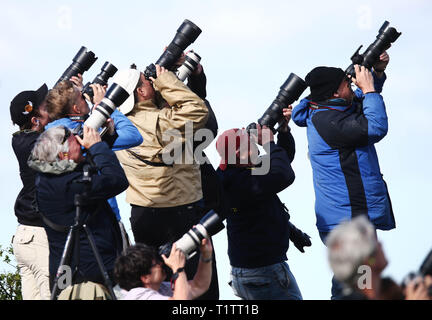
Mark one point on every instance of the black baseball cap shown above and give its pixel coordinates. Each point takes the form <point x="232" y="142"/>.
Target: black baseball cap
<point x="24" y="105"/>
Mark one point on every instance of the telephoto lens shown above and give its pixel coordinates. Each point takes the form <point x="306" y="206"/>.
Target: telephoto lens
<point x="189" y="65"/>
<point x="289" y="92"/>
<point x="208" y="226"/>
<point x="386" y="36"/>
<point x="124" y="83"/>
<point x="108" y="70"/>
<point x="82" y="61"/>
<point x="186" y="34"/>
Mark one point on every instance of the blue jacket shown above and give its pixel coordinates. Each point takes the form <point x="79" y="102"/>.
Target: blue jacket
<point x="128" y="134"/>
<point x="55" y="196"/>
<point x="257" y="222"/>
<point x="346" y="173"/>
<point x="128" y="137"/>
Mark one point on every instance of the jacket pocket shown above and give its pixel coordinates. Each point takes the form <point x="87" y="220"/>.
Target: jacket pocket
<point x="23" y="237"/>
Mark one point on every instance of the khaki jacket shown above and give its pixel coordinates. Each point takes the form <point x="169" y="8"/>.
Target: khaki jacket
<point x="164" y="186"/>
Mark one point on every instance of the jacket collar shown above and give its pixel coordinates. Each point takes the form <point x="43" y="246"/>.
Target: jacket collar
<point x="57" y="167"/>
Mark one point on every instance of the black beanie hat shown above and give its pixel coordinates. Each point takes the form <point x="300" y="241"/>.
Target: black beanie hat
<point x="323" y="82"/>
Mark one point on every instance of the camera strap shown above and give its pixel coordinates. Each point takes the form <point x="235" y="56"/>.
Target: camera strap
<point x="150" y="163"/>
<point x="316" y="106"/>
<point x="52" y="225"/>
<point x="78" y="117"/>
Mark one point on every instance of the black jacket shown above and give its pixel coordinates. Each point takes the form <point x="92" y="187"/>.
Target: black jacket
<point x="258" y="224"/>
<point x="22" y="144"/>
<point x="55" y="197"/>
<point x="209" y="180"/>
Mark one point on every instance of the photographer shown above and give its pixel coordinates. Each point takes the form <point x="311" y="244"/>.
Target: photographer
<point x="358" y="260"/>
<point x="59" y="158"/>
<point x="342" y="129"/>
<point x="258" y="223"/>
<point x="30" y="243"/>
<point x="68" y="107"/>
<point x="141" y="272"/>
<point x="166" y="198"/>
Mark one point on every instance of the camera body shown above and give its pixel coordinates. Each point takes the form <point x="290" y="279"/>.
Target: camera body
<point x="82" y="61"/>
<point x="424" y="270"/>
<point x="386" y="36"/>
<point x="289" y="92"/>
<point x="187" y="33"/>
<point x="208" y="226"/>
<point x="107" y="71"/>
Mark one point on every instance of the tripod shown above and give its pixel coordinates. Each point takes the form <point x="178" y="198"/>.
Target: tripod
<point x="73" y="239"/>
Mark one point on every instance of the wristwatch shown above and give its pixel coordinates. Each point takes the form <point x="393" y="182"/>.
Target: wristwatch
<point x="176" y="274"/>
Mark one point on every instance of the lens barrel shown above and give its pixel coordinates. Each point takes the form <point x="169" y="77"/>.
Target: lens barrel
<point x="187" y="33"/>
<point x="107" y="71"/>
<point x="208" y="226"/>
<point x="386" y="36"/>
<point x="289" y="92"/>
<point x="189" y="65"/>
<point x="113" y="98"/>
<point x="82" y="61"/>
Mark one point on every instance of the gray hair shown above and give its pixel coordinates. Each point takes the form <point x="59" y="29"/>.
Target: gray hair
<point x="49" y="145"/>
<point x="349" y="245"/>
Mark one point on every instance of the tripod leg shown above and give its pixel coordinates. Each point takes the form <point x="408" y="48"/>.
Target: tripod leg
<point x="102" y="269"/>
<point x="65" y="260"/>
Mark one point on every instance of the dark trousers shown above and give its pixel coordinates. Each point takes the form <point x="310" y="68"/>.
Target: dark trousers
<point x="157" y="226"/>
<point x="337" y="287"/>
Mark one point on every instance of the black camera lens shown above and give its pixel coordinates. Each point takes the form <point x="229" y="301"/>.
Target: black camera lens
<point x="386" y="36"/>
<point x="82" y="61"/>
<point x="187" y="33"/>
<point x="107" y="71"/>
<point x="289" y="92"/>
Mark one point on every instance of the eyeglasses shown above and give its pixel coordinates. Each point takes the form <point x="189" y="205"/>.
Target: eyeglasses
<point x="67" y="134"/>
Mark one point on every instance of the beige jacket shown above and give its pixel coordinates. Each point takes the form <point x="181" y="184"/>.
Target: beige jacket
<point x="164" y="186"/>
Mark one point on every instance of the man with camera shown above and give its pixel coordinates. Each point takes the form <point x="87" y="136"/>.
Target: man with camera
<point x="141" y="272"/>
<point x="30" y="243"/>
<point x="166" y="196"/>
<point x="68" y="107"/>
<point x="258" y="223"/>
<point x="61" y="164"/>
<point x="342" y="128"/>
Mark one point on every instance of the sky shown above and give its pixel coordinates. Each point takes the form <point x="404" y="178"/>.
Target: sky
<point x="248" y="49"/>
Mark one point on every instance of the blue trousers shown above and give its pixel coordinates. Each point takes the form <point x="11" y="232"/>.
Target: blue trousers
<point x="273" y="282"/>
<point x="337" y="287"/>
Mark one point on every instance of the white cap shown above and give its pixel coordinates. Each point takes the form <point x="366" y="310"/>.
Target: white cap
<point x="128" y="79"/>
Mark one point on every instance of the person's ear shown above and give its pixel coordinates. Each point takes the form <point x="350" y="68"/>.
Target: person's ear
<point x="34" y="121"/>
<point x="76" y="109"/>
